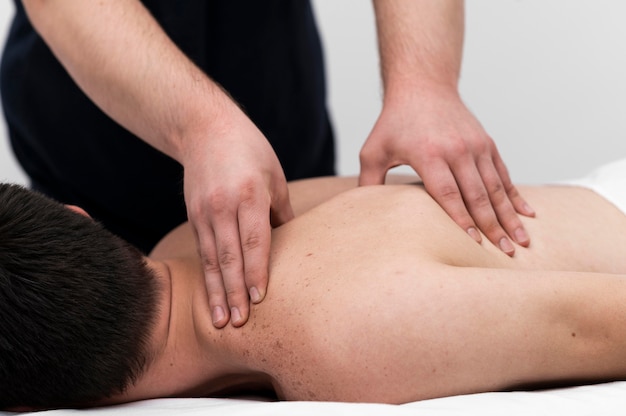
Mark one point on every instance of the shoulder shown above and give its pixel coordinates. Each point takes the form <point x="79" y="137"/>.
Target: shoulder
<point x="180" y="242"/>
<point x="305" y="195"/>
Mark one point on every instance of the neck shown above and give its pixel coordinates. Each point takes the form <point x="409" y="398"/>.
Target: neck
<point x="217" y="355"/>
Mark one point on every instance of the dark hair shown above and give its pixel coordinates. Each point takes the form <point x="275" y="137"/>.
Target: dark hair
<point x="77" y="305"/>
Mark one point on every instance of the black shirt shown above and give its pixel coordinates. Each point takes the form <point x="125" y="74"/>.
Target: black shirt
<point x="266" y="54"/>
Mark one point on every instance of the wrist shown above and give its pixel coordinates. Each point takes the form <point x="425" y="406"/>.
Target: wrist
<point x="211" y="115"/>
<point x="404" y="89"/>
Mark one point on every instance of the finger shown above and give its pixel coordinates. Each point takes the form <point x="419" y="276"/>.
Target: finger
<point x="230" y="260"/>
<point x="480" y="206"/>
<point x="255" y="234"/>
<point x="373" y="168"/>
<point x="442" y="186"/>
<point x="506" y="213"/>
<point x="520" y="204"/>
<point x="218" y="304"/>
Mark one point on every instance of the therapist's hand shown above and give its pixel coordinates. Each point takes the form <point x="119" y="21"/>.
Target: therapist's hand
<point x="458" y="162"/>
<point x="233" y="179"/>
<point x="232" y="185"/>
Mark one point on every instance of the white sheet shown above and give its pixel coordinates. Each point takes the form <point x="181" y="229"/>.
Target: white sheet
<point x="608" y="180"/>
<point x="607" y="399"/>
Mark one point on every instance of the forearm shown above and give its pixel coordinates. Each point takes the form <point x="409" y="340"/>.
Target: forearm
<point x="121" y="58"/>
<point x="420" y="42"/>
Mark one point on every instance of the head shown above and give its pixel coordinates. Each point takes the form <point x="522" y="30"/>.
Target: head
<point x="77" y="306"/>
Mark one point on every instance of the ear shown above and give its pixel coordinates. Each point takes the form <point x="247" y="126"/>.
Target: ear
<point x="78" y="210"/>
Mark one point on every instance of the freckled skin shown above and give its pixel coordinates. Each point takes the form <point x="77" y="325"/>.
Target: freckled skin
<point x="377" y="295"/>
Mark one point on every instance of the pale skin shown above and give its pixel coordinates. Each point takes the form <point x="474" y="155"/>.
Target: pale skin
<point x="425" y="124"/>
<point x="235" y="189"/>
<point x="376" y="295"/>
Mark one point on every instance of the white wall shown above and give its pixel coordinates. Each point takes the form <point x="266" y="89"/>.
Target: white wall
<point x="544" y="78"/>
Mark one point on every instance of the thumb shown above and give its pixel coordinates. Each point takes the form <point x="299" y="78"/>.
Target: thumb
<point x="281" y="210"/>
<point x="374" y="164"/>
<point x="372" y="174"/>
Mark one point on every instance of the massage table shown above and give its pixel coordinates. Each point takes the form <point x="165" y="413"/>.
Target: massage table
<point x="588" y="400"/>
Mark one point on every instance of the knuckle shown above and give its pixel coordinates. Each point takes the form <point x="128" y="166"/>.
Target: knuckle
<point x="448" y="193"/>
<point x="479" y="200"/>
<point x="215" y="261"/>
<point x="481" y="144"/>
<point x="215" y="202"/>
<point x="251" y="242"/>
<point x="248" y="190"/>
<point x="484" y="215"/>
<point x="511" y="190"/>
<point x="233" y="293"/>
<point x="496" y="191"/>
<point x="210" y="264"/>
<point x="457" y="148"/>
<point x="431" y="153"/>
<point x="227" y="259"/>
<point x="218" y="200"/>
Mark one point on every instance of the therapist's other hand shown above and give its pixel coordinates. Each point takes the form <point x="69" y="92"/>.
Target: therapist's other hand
<point x="235" y="190"/>
<point x="458" y="162"/>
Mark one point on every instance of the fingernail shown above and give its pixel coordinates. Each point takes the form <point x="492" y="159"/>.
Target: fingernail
<point x="506" y="246"/>
<point x="520" y="236"/>
<point x="235" y="315"/>
<point x="218" y="314"/>
<point x="474" y="234"/>
<point x="529" y="210"/>
<point x="255" y="296"/>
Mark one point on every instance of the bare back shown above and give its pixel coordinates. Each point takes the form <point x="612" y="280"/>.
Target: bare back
<point x="575" y="229"/>
<point x="365" y="287"/>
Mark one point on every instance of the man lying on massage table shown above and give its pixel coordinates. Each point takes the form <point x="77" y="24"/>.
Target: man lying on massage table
<point x="375" y="295"/>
